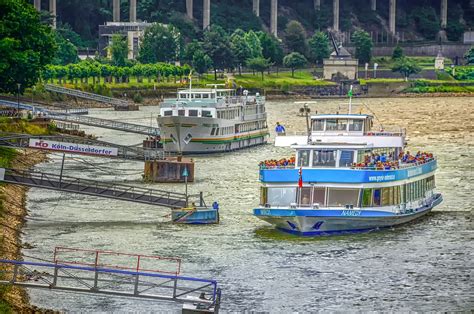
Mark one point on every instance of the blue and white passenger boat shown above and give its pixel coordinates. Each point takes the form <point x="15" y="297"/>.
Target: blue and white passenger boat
<point x="346" y="178"/>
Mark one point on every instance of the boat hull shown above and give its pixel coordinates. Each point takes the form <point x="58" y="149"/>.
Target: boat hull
<point x="305" y="222"/>
<point x="195" y="216"/>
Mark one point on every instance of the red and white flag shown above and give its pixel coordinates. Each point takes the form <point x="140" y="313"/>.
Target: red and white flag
<point x="300" y="179"/>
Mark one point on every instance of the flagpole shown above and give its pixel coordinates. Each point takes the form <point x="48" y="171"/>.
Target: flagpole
<point x="350" y="100"/>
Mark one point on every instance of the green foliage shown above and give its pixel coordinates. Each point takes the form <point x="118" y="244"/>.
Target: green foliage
<point x="363" y="45"/>
<point x="406" y="67"/>
<point x="160" y="44"/>
<point x="137" y="98"/>
<point x="66" y="53"/>
<point x="189" y="51"/>
<point x="254" y="44"/>
<point x="294" y="61"/>
<point x="322" y="18"/>
<point x="397" y="53"/>
<point x="66" y="32"/>
<point x="26" y="45"/>
<point x="259" y="64"/>
<point x="426" y="21"/>
<point x="201" y="62"/>
<point x="216" y="46"/>
<point x="319" y="47"/>
<point x="6" y="155"/>
<point x="469" y="56"/>
<point x="271" y="48"/>
<point x="464" y="73"/>
<point x="295" y="37"/>
<point x="444" y="76"/>
<point x="240" y="48"/>
<point x="231" y="15"/>
<point x="118" y="50"/>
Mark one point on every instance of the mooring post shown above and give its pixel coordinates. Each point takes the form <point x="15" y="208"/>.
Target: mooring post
<point x="61" y="173"/>
<point x="201" y="201"/>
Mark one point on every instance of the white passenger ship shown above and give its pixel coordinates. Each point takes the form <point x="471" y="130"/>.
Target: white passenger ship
<point x="346" y="178"/>
<point x="212" y="120"/>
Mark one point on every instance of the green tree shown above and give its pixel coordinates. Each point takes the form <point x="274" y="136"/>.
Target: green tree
<point x="426" y="21"/>
<point x="161" y="43"/>
<point x="26" y="45"/>
<point x="319" y="47"/>
<point x="201" y="62"/>
<point x="216" y="46"/>
<point x="254" y="44"/>
<point x="271" y="48"/>
<point x="259" y="64"/>
<point x="469" y="56"/>
<point x="363" y="45"/>
<point x="66" y="52"/>
<point x="240" y="48"/>
<point x="294" y="61"/>
<point x="295" y="37"/>
<point x="118" y="50"/>
<point x="397" y="53"/>
<point x="189" y="51"/>
<point x="406" y="67"/>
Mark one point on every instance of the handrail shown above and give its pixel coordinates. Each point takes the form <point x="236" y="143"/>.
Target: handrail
<point x="86" y="95"/>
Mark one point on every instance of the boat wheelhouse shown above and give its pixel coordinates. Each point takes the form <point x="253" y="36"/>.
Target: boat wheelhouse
<point x="353" y="181"/>
<point x="212" y="120"/>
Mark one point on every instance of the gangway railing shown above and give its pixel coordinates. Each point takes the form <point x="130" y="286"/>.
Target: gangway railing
<point x="85" y="95"/>
<point x="46" y="142"/>
<point x="38" y="108"/>
<point x="111" y="281"/>
<point x="105" y="123"/>
<point x="96" y="188"/>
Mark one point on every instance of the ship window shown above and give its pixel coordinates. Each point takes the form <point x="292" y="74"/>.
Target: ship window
<point x="281" y="196"/>
<point x="367" y="198"/>
<point x="377" y="197"/>
<point x="342" y="197"/>
<point x="386" y="196"/>
<point x="355" y="125"/>
<point x="324" y="158"/>
<point x="397" y="196"/>
<point x="318" y="125"/>
<point x="303" y="158"/>
<point x="403" y="196"/>
<point x="181" y="112"/>
<point x="347" y="157"/>
<point x="205" y="95"/>
<point x="193" y="113"/>
<point x="319" y="196"/>
<point x="305" y="198"/>
<point x="168" y="113"/>
<point x="206" y="114"/>
<point x="331" y="125"/>
<point x="197" y="96"/>
<point x="341" y="124"/>
<point x="212" y="131"/>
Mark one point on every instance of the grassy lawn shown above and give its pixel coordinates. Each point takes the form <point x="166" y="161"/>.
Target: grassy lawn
<point x="426" y="63"/>
<point x="281" y="81"/>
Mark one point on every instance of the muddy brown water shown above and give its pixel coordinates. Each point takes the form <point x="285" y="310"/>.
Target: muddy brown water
<point x="424" y="266"/>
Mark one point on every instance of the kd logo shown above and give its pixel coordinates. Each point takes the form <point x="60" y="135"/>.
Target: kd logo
<point x="41" y="144"/>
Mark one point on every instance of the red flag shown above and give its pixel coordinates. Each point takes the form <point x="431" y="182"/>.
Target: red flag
<point x="300" y="180"/>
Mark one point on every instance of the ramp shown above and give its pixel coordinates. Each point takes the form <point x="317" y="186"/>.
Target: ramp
<point x="96" y="188"/>
<point x="85" y="95"/>
<point x="38" y="108"/>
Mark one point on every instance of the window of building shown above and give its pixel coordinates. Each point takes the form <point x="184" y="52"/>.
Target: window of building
<point x="356" y="125"/>
<point x="193" y="113"/>
<point x="342" y="197"/>
<point x="318" y="125"/>
<point x="303" y="158"/>
<point x="324" y="158"/>
<point x="281" y="196"/>
<point x="367" y="198"/>
<point x="168" y="113"/>
<point x="377" y="200"/>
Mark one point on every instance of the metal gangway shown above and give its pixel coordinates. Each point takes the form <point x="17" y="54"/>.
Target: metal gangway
<point x="114" y="274"/>
<point x="16" y="140"/>
<point x="106" y="124"/>
<point x="110" y="190"/>
<point x="38" y="108"/>
<point x="85" y="95"/>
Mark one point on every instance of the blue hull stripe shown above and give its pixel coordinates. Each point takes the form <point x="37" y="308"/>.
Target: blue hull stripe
<point x="331" y="232"/>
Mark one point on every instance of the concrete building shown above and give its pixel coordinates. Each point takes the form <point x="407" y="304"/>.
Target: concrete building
<point x="274" y="18"/>
<point x="392" y="18"/>
<point x="335" y="9"/>
<point x="132" y="31"/>
<point x="206" y="14"/>
<point x="189" y="9"/>
<point x="340" y="66"/>
<point x="256" y="7"/>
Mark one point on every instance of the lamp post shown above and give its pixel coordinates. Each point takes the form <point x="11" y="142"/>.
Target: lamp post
<point x="18" y="98"/>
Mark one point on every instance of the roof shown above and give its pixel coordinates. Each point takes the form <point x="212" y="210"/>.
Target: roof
<point x="341" y="116"/>
<point x="204" y="90"/>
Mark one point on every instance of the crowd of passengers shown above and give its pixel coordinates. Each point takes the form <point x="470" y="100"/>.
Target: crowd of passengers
<point x="387" y="162"/>
<point x="273" y="163"/>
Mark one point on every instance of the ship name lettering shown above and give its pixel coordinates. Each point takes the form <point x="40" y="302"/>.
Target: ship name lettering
<point x="351" y="213"/>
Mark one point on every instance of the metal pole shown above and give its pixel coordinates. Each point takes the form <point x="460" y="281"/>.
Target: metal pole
<point x="61" y="173"/>
<point x="308" y="130"/>
<point x="18" y="99"/>
<point x="186" y="192"/>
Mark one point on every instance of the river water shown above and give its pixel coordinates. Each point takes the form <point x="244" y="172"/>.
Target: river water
<point x="423" y="266"/>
